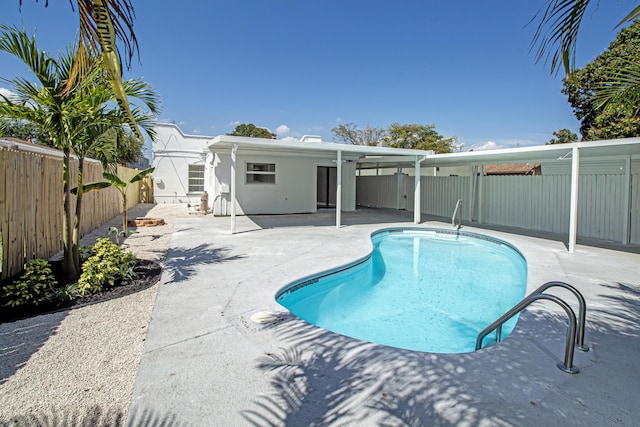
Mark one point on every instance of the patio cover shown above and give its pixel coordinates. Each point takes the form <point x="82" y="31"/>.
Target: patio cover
<point x="364" y="153"/>
<point x="628" y="148"/>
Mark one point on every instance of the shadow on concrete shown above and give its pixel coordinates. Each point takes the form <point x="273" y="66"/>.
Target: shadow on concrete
<point x="95" y="416"/>
<point x="364" y="215"/>
<point x="557" y="237"/>
<point x="327" y="217"/>
<point x="321" y="378"/>
<point x="20" y="339"/>
<point x="182" y="262"/>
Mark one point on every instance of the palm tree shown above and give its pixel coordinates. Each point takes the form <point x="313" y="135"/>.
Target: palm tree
<point x="555" y="41"/>
<point x="74" y="118"/>
<point x="102" y="22"/>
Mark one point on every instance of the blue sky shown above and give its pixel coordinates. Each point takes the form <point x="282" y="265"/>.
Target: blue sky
<point x="304" y="66"/>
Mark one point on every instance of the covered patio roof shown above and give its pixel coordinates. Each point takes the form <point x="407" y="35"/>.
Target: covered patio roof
<point x="591" y="149"/>
<point x="363" y="152"/>
<point x="628" y="149"/>
<point x="330" y="149"/>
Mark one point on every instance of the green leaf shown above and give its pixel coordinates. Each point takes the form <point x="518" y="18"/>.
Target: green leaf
<point x="95" y="186"/>
<point x="114" y="179"/>
<point x="141" y="175"/>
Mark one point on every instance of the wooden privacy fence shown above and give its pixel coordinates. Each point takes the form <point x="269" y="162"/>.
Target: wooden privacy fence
<point x="31" y="205"/>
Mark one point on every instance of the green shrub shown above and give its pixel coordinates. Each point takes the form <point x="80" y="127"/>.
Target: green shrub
<point x="33" y="287"/>
<point x="107" y="264"/>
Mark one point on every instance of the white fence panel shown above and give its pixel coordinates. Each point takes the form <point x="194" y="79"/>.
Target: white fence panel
<point x="377" y="191"/>
<point x="439" y="194"/>
<point x="601" y="206"/>
<point x="538" y="203"/>
<point x="550" y="195"/>
<point x="634" y="237"/>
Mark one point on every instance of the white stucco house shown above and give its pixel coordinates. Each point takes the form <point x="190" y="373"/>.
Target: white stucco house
<point x="596" y="182"/>
<point x="263" y="176"/>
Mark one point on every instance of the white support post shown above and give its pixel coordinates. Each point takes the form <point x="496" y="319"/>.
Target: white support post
<point x="339" y="189"/>
<point x="416" y="193"/>
<point x="626" y="220"/>
<point x="234" y="150"/>
<point x="573" y="210"/>
<point x="480" y="177"/>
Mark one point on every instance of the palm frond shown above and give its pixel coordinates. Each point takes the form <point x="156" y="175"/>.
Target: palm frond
<point x="623" y="87"/>
<point x="557" y="32"/>
<point x="632" y="16"/>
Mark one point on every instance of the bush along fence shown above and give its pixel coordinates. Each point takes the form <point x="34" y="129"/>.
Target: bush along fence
<point x="31" y="205"/>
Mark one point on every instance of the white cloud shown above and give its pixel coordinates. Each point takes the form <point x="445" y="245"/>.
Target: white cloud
<point x="289" y="138"/>
<point x="7" y="93"/>
<point x="282" y="130"/>
<point x="339" y="119"/>
<point x="196" y="131"/>
<point x="236" y="123"/>
<point x="182" y="123"/>
<point x="489" y="145"/>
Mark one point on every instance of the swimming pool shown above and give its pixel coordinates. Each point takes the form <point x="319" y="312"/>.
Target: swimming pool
<point x="421" y="289"/>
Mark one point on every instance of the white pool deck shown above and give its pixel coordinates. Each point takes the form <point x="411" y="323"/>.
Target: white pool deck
<point x="206" y="363"/>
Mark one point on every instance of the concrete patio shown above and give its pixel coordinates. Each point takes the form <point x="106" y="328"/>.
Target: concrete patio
<point x="206" y="363"/>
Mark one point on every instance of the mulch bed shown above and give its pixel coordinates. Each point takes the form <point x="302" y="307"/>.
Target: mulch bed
<point x="147" y="275"/>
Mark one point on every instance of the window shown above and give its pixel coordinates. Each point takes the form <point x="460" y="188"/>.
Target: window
<point x="196" y="178"/>
<point x="261" y="173"/>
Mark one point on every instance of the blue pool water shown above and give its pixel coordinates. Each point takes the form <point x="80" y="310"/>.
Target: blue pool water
<point x="420" y="289"/>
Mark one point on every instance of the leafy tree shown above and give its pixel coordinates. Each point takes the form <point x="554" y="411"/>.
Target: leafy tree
<point x="74" y="119"/>
<point x="584" y="85"/>
<point x="128" y="148"/>
<point x="563" y="136"/>
<point x="418" y="137"/>
<point x="23" y="130"/>
<point x="347" y="133"/>
<point x="614" y="122"/>
<point x="252" y="131"/>
<point x="350" y="134"/>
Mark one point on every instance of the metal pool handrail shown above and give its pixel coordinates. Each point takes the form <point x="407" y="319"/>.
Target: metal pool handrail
<point x="582" y="309"/>
<point x="455" y="211"/>
<point x="567" y="366"/>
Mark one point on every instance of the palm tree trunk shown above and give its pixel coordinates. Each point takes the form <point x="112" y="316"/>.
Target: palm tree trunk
<point x="124" y="214"/>
<point x="69" y="269"/>
<point x="75" y="243"/>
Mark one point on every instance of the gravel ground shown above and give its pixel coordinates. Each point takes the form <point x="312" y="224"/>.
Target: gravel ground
<point x="78" y="366"/>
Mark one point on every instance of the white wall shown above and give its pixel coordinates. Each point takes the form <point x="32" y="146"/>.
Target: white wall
<point x="172" y="152"/>
<point x="295" y="189"/>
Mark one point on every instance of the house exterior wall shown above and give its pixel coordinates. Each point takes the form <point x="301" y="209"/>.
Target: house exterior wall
<point x="173" y="152"/>
<point x="294" y="190"/>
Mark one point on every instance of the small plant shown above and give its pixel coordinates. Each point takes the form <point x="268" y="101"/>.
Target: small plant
<point x="122" y="186"/>
<point x="33" y="287"/>
<point x="107" y="264"/>
<point x="64" y="293"/>
<point x="120" y="233"/>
